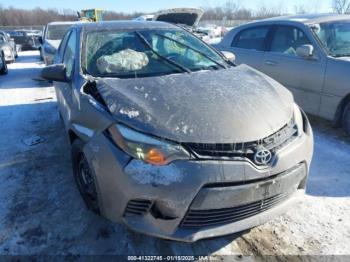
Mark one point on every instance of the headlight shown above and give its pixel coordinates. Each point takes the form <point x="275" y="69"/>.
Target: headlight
<point x="149" y="149"/>
<point x="298" y="119"/>
<point x="7" y="51"/>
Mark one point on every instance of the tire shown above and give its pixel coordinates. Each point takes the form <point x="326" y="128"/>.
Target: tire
<point x="346" y="119"/>
<point x="84" y="177"/>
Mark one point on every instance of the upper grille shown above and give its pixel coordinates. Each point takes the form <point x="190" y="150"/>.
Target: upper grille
<point x="212" y="217"/>
<point x="248" y="149"/>
<point x="137" y="207"/>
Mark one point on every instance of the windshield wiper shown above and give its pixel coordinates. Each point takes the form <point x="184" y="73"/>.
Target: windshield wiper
<point x="145" y="42"/>
<point x="193" y="49"/>
<point x="342" y="55"/>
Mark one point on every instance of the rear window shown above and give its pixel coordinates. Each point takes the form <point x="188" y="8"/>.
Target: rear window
<point x="253" y="38"/>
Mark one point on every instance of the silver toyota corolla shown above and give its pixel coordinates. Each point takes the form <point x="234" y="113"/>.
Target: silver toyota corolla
<point x="308" y="54"/>
<point x="172" y="139"/>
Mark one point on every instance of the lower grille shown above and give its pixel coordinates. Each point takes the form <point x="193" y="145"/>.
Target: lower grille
<point x="212" y="217"/>
<point x="137" y="207"/>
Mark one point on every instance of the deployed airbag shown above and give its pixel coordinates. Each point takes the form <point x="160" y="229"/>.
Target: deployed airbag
<point x="125" y="60"/>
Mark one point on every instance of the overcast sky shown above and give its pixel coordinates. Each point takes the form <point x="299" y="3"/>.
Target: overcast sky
<point x="154" y="5"/>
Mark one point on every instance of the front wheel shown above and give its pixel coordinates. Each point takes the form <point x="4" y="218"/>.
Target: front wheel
<point x="84" y="177"/>
<point x="346" y="119"/>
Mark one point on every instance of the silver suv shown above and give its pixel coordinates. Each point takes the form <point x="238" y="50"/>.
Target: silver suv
<point x="308" y="54"/>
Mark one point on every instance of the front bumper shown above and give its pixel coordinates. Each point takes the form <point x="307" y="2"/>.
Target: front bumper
<point x="159" y="201"/>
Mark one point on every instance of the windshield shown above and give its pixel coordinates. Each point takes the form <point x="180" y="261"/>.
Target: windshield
<point x="56" y="32"/>
<point x="144" y="53"/>
<point x="335" y="37"/>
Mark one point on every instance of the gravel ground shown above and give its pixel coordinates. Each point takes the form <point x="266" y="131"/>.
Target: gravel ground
<point x="41" y="210"/>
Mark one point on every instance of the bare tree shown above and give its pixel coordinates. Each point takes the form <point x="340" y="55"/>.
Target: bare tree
<point x="341" y="6"/>
<point x="300" y="9"/>
<point x="21" y="17"/>
<point x="265" y="12"/>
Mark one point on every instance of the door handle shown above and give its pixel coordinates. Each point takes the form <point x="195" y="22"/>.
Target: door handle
<point x="270" y="62"/>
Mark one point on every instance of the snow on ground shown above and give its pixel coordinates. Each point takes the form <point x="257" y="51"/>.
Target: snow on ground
<point x="41" y="210"/>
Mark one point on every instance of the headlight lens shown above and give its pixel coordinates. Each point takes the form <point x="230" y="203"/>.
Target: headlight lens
<point x="149" y="149"/>
<point x="7" y="51"/>
<point x="298" y="119"/>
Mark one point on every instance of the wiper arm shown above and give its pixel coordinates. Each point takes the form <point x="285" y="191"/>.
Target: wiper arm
<point x="194" y="49"/>
<point x="145" y="42"/>
<point x="342" y="55"/>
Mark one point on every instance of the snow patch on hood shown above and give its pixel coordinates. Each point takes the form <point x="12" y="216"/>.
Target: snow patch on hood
<point x="131" y="113"/>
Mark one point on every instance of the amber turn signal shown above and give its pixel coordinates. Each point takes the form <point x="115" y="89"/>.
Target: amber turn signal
<point x="155" y="157"/>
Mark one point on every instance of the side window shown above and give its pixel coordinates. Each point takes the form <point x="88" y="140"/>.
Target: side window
<point x="253" y="38"/>
<point x="69" y="54"/>
<point x="287" y="39"/>
<point x="63" y="44"/>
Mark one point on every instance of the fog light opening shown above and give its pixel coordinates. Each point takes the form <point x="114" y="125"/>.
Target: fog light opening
<point x="158" y="214"/>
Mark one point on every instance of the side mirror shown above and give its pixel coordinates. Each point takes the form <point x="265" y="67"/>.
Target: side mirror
<point x="55" y="72"/>
<point x="41" y="40"/>
<point x="229" y="56"/>
<point x="305" y="51"/>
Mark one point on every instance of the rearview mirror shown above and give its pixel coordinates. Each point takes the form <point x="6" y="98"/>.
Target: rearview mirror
<point x="305" y="51"/>
<point x="55" y="72"/>
<point x="229" y="56"/>
<point x="41" y="40"/>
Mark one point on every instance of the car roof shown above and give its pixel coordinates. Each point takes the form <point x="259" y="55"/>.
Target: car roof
<point x="307" y="18"/>
<point x="64" y="23"/>
<point x="128" y="24"/>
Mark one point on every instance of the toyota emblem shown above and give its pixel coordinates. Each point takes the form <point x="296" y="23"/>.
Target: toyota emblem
<point x="262" y="156"/>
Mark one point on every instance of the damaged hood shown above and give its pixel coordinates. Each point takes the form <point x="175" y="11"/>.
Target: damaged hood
<point x="234" y="105"/>
<point x="182" y="16"/>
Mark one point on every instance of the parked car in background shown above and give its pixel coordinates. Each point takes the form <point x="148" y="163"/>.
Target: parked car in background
<point x="26" y="38"/>
<point x="172" y="139"/>
<point x="3" y="65"/>
<point x="188" y="18"/>
<point x="15" y="48"/>
<point x="309" y="54"/>
<point x="51" y="39"/>
<point x="144" y="18"/>
<point x="7" y="50"/>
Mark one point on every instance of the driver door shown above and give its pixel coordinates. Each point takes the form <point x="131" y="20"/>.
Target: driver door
<point x="302" y="76"/>
<point x="64" y="90"/>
